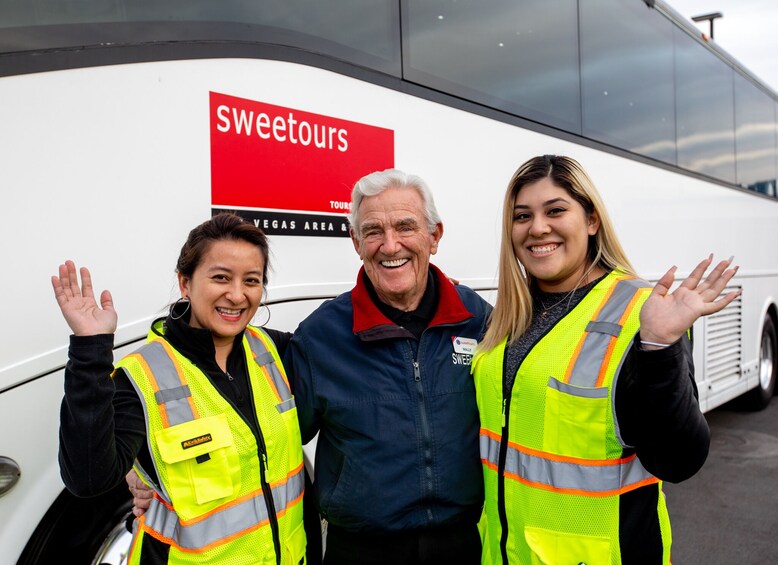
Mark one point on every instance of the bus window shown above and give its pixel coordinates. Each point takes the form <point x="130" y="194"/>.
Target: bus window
<point x="754" y="136"/>
<point x="521" y="57"/>
<point x="633" y="108"/>
<point x="705" y="110"/>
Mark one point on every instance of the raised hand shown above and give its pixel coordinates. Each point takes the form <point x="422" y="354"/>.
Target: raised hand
<point x="666" y="315"/>
<point x="78" y="305"/>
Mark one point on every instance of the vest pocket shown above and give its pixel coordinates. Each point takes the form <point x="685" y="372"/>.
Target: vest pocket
<point x="294" y="547"/>
<point x="199" y="457"/>
<point x="575" y="420"/>
<point x="550" y="547"/>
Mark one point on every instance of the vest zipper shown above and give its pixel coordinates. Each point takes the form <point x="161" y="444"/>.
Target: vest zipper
<point x="502" y="456"/>
<point x="267" y="493"/>
<point x="507" y="394"/>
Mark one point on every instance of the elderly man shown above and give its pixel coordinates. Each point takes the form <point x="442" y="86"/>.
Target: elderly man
<point x="382" y="374"/>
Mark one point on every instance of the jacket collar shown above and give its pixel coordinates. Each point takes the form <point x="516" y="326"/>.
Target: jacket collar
<point x="370" y="323"/>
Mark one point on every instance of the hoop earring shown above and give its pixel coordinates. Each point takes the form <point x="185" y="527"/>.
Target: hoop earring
<point x="268" y="315"/>
<point x="176" y="303"/>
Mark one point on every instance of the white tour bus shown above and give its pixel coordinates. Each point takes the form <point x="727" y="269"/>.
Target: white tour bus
<point x="123" y="124"/>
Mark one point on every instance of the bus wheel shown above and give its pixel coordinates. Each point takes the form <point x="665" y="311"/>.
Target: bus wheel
<point x="80" y="529"/>
<point x="759" y="397"/>
<point x="116" y="547"/>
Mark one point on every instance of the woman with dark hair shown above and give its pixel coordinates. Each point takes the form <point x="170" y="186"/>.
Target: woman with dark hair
<point x="585" y="382"/>
<point x="203" y="411"/>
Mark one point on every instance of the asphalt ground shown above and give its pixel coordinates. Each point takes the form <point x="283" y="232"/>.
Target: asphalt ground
<point x="727" y="514"/>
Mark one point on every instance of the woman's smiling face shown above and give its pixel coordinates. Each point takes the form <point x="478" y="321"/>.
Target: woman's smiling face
<point x="225" y="289"/>
<point x="550" y="235"/>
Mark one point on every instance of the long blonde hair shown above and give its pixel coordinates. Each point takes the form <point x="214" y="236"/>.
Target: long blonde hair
<point x="512" y="313"/>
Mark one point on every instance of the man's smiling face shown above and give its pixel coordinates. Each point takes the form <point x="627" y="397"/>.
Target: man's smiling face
<point x="395" y="244"/>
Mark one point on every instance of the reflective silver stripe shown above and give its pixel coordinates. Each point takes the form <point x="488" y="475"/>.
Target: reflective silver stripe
<point x="588" y="392"/>
<point x="163" y="368"/>
<point x="285" y="405"/>
<point x="265" y="359"/>
<point x="596" y="477"/>
<point x="600" y="332"/>
<point x="177" y="393"/>
<point x="222" y="523"/>
<point x="604" y="328"/>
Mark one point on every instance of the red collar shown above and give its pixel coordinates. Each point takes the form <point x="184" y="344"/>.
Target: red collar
<point x="367" y="316"/>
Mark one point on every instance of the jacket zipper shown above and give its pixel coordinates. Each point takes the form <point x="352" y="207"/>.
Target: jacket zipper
<point x="425" y="427"/>
<point x="426" y="435"/>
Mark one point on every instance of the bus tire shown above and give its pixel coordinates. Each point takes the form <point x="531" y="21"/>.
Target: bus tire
<point x="759" y="397"/>
<point x="76" y="528"/>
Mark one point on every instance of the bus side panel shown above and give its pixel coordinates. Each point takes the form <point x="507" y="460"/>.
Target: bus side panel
<point x="29" y="420"/>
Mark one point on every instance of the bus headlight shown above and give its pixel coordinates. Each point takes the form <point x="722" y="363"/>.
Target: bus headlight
<point x="9" y="474"/>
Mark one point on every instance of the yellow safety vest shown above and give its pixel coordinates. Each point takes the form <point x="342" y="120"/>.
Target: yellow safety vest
<point x="221" y="497"/>
<point x="554" y="467"/>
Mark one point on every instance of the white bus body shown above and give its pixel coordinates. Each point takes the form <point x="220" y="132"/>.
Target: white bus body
<point x="110" y="166"/>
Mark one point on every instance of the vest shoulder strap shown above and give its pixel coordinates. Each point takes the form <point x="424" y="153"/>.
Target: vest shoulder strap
<point x="587" y="368"/>
<point x="260" y="345"/>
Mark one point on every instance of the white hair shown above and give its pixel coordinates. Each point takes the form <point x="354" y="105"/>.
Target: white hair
<point x="375" y="183"/>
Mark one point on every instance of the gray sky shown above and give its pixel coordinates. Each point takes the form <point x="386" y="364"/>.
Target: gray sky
<point x="747" y="30"/>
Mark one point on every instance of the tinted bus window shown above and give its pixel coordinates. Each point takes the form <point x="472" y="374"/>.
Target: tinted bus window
<point x="366" y="32"/>
<point x="705" y="110"/>
<point x="754" y="136"/>
<point x="627" y="77"/>
<point x="521" y="57"/>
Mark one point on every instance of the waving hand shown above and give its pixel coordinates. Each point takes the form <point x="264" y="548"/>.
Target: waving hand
<point x="666" y="315"/>
<point x="78" y="304"/>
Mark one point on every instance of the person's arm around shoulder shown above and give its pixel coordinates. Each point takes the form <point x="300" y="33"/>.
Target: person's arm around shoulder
<point x="484" y="307"/>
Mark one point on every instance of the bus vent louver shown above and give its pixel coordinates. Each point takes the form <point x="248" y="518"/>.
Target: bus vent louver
<point x="724" y="330"/>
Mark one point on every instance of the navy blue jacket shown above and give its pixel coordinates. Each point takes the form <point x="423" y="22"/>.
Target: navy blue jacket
<point x="397" y="417"/>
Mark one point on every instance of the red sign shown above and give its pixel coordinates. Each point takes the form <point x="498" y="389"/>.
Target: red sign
<point x="272" y="157"/>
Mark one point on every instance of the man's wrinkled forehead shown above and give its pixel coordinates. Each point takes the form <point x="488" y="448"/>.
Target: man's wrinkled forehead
<point x="400" y="221"/>
<point x="407" y="204"/>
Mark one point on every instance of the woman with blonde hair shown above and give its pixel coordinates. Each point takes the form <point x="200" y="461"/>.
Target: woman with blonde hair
<point x="585" y="382"/>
